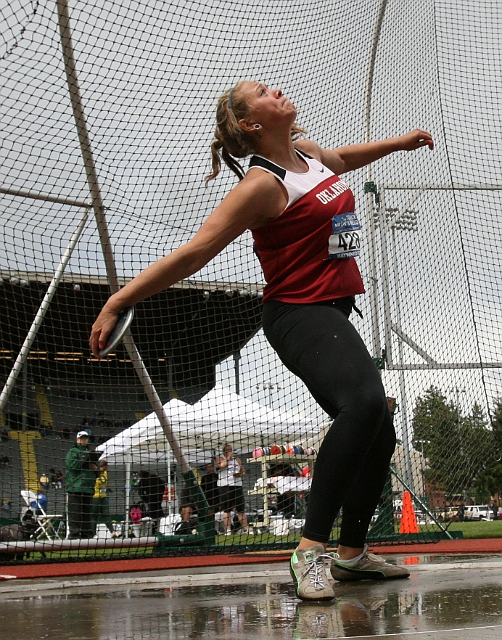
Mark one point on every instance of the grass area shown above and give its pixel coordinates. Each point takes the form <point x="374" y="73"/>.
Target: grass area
<point x="470" y="530"/>
<point x="478" y="529"/>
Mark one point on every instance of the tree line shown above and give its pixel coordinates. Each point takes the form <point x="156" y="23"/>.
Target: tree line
<point x="462" y="452"/>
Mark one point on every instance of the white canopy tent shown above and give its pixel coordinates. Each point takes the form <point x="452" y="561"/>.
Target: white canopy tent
<point x="219" y="417"/>
<point x="119" y="449"/>
<point x="203" y="428"/>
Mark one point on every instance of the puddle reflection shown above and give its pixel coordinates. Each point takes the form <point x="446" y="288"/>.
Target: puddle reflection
<point x="260" y="611"/>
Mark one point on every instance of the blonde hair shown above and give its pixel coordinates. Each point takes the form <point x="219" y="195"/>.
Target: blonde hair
<point x="231" y="141"/>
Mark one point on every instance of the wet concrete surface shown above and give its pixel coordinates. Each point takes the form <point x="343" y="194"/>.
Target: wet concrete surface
<point x="446" y="598"/>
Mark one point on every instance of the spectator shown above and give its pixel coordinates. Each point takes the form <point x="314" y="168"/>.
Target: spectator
<point x="230" y="473"/>
<point x="100" y="505"/>
<point x="59" y="479"/>
<point x="209" y="485"/>
<point x="44" y="430"/>
<point x="44" y="481"/>
<point x="495" y="510"/>
<point x="151" y="490"/>
<point x="4" y="461"/>
<point x="4" y="434"/>
<point x="56" y="478"/>
<point x="6" y="507"/>
<point x="40" y="503"/>
<point x="187" y="506"/>
<point x="80" y="480"/>
<point x="52" y="477"/>
<point x="461" y="512"/>
<point x="136" y="513"/>
<point x="285" y="501"/>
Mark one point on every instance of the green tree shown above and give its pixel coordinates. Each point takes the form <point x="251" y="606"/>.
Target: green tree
<point x="434" y="433"/>
<point x="476" y="451"/>
<point x="456" y="448"/>
<point x="490" y="481"/>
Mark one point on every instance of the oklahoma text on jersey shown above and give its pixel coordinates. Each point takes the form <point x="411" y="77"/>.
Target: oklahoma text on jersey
<point x="334" y="190"/>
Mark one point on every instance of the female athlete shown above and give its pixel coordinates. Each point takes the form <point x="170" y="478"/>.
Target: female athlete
<point x="307" y="236"/>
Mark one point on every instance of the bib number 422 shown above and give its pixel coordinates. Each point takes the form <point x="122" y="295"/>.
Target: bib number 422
<point x="345" y="241"/>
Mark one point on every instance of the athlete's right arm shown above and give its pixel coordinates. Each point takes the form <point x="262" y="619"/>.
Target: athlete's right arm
<point x="251" y="203"/>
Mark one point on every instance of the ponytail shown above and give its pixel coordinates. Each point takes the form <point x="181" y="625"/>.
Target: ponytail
<point x="231" y="141"/>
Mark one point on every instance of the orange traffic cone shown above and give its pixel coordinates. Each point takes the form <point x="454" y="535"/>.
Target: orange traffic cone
<point x="408" y="519"/>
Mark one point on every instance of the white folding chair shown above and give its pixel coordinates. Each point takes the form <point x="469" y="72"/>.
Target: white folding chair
<point x="44" y="520"/>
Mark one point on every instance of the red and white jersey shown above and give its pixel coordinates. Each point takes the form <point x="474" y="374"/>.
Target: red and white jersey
<point x="307" y="253"/>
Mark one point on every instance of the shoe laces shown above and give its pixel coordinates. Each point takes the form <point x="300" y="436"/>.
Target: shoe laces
<point x="315" y="569"/>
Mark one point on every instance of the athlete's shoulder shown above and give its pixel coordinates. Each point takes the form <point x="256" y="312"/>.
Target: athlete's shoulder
<point x="256" y="176"/>
<point x="309" y="147"/>
<point x="260" y="183"/>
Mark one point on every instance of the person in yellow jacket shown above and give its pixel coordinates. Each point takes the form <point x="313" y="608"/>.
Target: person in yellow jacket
<point x="100" y="505"/>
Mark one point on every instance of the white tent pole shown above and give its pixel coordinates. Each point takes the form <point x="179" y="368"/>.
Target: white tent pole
<point x="128" y="492"/>
<point x="169" y="502"/>
<point x="66" y="518"/>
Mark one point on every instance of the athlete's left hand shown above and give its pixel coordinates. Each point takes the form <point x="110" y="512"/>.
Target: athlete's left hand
<point x="415" y="139"/>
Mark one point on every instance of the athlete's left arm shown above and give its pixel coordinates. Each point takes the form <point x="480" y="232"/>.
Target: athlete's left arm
<point x="355" y="156"/>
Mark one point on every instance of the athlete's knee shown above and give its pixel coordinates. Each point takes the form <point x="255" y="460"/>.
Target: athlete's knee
<point x="370" y="405"/>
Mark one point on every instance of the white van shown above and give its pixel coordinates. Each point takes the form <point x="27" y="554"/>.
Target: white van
<point x="478" y="512"/>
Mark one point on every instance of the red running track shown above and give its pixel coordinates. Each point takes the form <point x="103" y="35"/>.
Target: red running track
<point x="51" y="570"/>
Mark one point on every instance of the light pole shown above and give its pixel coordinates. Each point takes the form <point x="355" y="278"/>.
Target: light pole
<point x="400" y="220"/>
<point x="457" y="406"/>
<point x="457" y="392"/>
<point x="269" y="386"/>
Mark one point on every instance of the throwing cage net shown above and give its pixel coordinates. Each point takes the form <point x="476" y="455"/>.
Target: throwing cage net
<point x="107" y="115"/>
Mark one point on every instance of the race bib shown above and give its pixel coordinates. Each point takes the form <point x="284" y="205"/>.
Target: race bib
<point x="345" y="241"/>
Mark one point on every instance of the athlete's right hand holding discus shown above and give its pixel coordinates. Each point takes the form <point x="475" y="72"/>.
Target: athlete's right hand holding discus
<point x="307" y="235"/>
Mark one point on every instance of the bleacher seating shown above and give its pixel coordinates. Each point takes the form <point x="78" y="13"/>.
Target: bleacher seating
<point x="11" y="478"/>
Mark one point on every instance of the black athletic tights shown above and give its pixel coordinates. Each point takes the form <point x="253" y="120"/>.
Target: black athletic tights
<point x="319" y="344"/>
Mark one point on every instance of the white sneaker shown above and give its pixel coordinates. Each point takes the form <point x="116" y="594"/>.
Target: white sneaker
<point x="369" y="567"/>
<point x="309" y="572"/>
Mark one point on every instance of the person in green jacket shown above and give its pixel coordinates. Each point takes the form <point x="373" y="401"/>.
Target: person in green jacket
<point x="80" y="480"/>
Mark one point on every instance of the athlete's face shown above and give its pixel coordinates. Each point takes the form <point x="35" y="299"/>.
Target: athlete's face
<point x="267" y="106"/>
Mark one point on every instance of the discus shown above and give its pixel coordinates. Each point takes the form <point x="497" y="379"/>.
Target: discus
<point x="123" y="323"/>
